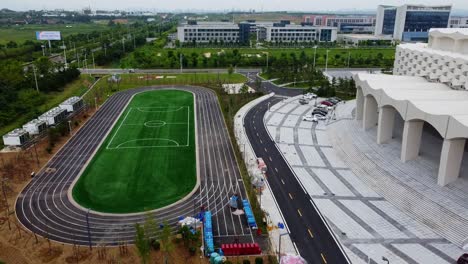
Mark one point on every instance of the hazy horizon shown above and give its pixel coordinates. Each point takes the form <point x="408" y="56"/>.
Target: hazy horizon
<point x="213" y="5"/>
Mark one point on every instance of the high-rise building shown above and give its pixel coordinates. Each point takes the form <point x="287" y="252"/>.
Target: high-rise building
<point x="411" y="22"/>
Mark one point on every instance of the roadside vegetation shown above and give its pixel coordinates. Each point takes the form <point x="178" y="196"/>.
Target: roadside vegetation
<point x="153" y="56"/>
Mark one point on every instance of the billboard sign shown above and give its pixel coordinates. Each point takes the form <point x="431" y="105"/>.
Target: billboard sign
<point x="48" y="35"/>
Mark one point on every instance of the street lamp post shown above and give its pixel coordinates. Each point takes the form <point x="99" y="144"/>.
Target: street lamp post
<point x="269" y="106"/>
<point x="315" y="54"/>
<point x="35" y="77"/>
<point x="43" y="50"/>
<point x="89" y="231"/>
<point x="326" y="62"/>
<point x="69" y="127"/>
<point x="279" y="246"/>
<point x="349" y="57"/>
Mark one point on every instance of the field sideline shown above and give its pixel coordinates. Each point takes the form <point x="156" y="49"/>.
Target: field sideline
<point x="147" y="161"/>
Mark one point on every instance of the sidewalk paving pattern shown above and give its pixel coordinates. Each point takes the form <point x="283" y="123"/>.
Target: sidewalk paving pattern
<point x="365" y="222"/>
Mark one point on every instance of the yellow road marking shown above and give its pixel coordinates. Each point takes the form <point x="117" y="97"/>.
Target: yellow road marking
<point x="323" y="257"/>
<point x="290" y="196"/>
<point x="310" y="233"/>
<point x="299" y="212"/>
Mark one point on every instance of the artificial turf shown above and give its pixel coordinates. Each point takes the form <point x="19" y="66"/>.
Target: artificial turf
<point x="147" y="161"/>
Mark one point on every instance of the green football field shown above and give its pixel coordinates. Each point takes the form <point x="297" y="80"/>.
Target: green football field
<point x="148" y="160"/>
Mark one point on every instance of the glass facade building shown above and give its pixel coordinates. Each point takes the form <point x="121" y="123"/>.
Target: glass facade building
<point x="389" y="21"/>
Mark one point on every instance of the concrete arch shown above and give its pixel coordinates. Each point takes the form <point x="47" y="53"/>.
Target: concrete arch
<point x="370" y="112"/>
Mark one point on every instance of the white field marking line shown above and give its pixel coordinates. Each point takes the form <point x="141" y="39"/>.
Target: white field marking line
<point x="141" y="109"/>
<point x="188" y="126"/>
<point x="116" y="132"/>
<point x="146" y="139"/>
<point x="170" y="140"/>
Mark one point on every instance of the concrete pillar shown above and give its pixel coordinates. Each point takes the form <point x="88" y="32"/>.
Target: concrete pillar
<point x="370" y="115"/>
<point x="359" y="103"/>
<point x="450" y="160"/>
<point x="412" y="133"/>
<point x="385" y="124"/>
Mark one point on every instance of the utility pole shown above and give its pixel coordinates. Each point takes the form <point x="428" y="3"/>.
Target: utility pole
<point x="65" y="54"/>
<point x="92" y="54"/>
<point x="315" y="54"/>
<point x="349" y="57"/>
<point x="35" y="77"/>
<point x="326" y="62"/>
<point x="181" y="66"/>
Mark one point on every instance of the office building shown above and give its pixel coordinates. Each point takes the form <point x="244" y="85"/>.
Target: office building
<point x="458" y="22"/>
<point x="344" y="24"/>
<point x="284" y="33"/>
<point x="411" y="23"/>
<point x="206" y="32"/>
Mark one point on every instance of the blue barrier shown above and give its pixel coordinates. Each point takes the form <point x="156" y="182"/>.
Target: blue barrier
<point x="249" y="214"/>
<point x="208" y="233"/>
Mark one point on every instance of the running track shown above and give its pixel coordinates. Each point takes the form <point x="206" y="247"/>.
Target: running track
<point x="44" y="207"/>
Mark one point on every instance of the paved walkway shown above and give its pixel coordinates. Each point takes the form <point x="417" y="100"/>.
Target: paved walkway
<point x="367" y="224"/>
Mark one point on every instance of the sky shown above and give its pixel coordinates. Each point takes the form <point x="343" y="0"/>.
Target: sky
<point x="219" y="5"/>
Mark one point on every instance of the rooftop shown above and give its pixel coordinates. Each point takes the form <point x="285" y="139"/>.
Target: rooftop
<point x="53" y="112"/>
<point x="71" y="100"/>
<point x="416" y="98"/>
<point x="423" y="47"/>
<point x="16" y="133"/>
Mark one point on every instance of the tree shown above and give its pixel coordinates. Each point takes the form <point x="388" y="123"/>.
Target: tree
<point x="11" y="44"/>
<point x="230" y="71"/>
<point x="142" y="244"/>
<point x="167" y="246"/>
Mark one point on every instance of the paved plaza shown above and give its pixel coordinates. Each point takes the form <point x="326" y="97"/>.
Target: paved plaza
<point x="367" y="223"/>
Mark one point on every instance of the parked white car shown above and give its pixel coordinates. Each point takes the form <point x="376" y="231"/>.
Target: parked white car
<point x="310" y="96"/>
<point x="319" y="117"/>
<point x="310" y="118"/>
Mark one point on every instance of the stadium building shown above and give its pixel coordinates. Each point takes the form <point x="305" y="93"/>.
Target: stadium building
<point x="411" y="22"/>
<point x="419" y="101"/>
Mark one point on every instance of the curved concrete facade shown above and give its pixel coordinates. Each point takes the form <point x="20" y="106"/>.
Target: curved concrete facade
<point x="379" y="97"/>
<point x="444" y="59"/>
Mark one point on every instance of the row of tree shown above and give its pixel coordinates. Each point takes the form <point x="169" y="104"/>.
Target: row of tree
<point x="151" y="57"/>
<point x="18" y="93"/>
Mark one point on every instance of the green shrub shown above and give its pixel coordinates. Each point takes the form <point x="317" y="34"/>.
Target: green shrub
<point x="155" y="244"/>
<point x="192" y="250"/>
<point x="258" y="260"/>
<point x="246" y="261"/>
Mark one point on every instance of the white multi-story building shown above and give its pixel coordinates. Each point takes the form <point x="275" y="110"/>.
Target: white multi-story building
<point x="411" y="22"/>
<point x="458" y="22"/>
<point x="205" y="32"/>
<point x="344" y="23"/>
<point x="444" y="59"/>
<point x="297" y="33"/>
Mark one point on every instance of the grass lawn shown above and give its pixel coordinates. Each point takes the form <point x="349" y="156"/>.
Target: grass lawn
<point x="21" y="33"/>
<point x="147" y="161"/>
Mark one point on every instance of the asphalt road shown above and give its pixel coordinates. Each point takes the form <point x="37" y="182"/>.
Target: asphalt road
<point x="308" y="231"/>
<point x="45" y="208"/>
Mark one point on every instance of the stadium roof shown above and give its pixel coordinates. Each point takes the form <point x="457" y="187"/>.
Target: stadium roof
<point x="417" y="99"/>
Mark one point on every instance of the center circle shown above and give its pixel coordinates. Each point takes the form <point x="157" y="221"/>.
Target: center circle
<point x="155" y="123"/>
